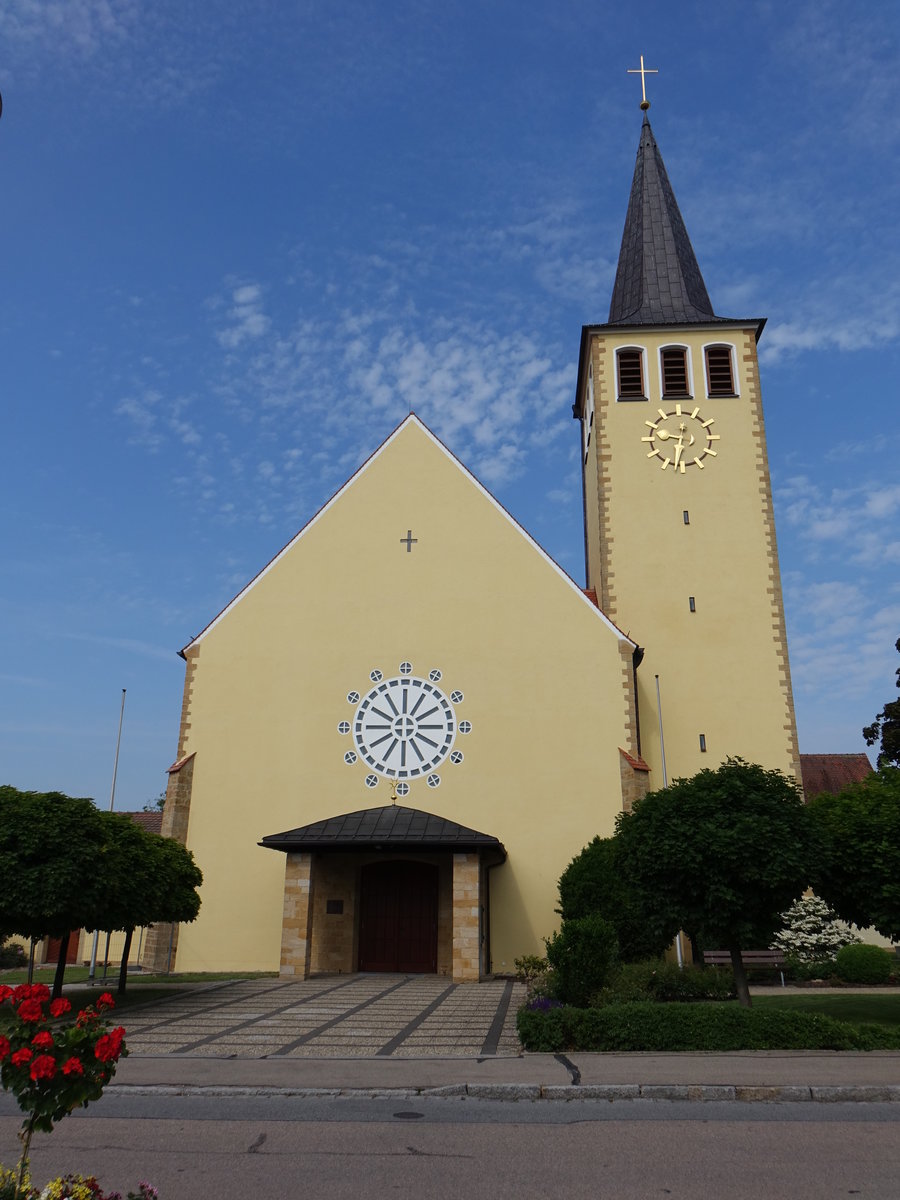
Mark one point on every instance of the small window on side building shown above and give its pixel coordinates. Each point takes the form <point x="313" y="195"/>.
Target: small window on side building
<point x="674" y="371"/>
<point x="719" y="371"/>
<point x="630" y="371"/>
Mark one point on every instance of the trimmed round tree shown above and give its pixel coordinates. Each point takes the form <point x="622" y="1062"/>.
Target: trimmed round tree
<point x="53" y="867"/>
<point x="151" y="878"/>
<point x="594" y="882"/>
<point x="723" y="853"/>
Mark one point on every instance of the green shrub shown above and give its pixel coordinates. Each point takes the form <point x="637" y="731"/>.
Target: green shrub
<point x="864" y="964"/>
<point x="584" y="956"/>
<point x="12" y="954"/>
<point x="665" y="981"/>
<point x="794" y="968"/>
<point x="646" y="1026"/>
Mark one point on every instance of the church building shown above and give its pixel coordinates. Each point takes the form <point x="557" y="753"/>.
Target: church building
<point x="398" y="734"/>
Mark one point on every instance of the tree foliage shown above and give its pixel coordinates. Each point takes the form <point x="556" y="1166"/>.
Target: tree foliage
<point x="594" y="882"/>
<point x="64" y="866"/>
<point x="52" y="863"/>
<point x="858" y="873"/>
<point x="150" y="878"/>
<point x="722" y="854"/>
<point x="886" y="727"/>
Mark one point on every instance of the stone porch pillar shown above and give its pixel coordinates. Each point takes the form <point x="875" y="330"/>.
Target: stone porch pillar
<point x="466" y="925"/>
<point x="296" y="928"/>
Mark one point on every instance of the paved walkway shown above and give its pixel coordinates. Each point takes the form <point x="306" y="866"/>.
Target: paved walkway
<point x="399" y="1016"/>
<point x="408" y="1035"/>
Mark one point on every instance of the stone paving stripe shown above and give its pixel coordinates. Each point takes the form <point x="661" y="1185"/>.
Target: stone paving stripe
<point x="496" y="1029"/>
<point x="179" y="1016"/>
<point x="400" y="1038"/>
<point x="307" y="1037"/>
<point x="213" y="1037"/>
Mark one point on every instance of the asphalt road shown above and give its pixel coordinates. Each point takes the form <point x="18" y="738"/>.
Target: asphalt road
<point x="227" y="1148"/>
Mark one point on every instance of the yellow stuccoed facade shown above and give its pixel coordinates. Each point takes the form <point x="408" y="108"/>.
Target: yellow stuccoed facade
<point x="687" y="561"/>
<point x="546" y="683"/>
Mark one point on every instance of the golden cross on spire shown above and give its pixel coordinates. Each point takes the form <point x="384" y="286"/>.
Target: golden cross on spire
<point x="643" y="71"/>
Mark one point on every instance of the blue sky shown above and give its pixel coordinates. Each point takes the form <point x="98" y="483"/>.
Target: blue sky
<point x="238" y="242"/>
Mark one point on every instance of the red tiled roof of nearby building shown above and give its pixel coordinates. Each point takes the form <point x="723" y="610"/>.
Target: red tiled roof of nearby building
<point x="831" y="773"/>
<point x="591" y="594"/>
<point x="149" y="821"/>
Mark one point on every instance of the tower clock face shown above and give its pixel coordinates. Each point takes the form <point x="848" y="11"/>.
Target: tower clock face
<point x="680" y="438"/>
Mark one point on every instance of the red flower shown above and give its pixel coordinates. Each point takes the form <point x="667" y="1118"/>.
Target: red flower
<point x="109" y="1046"/>
<point x="43" y="1067"/>
<point x="43" y="1040"/>
<point x="106" y="1001"/>
<point x="30" y="1010"/>
<point x="40" y="991"/>
<point x="59" y="1007"/>
<point x="5" y="992"/>
<point x="21" y="1057"/>
<point x="73" y="1067"/>
<point x="4" y="1046"/>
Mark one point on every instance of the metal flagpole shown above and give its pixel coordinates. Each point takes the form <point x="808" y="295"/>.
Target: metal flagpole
<point x="112" y="801"/>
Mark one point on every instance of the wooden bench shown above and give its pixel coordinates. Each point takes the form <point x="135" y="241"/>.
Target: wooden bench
<point x="750" y="958"/>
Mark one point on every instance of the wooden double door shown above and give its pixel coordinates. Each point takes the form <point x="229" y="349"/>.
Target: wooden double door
<point x="398" y="906"/>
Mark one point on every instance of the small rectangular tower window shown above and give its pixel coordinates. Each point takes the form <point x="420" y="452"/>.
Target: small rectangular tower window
<point x="630" y="370"/>
<point x="692" y="604"/>
<point x="687" y="517"/>
<point x="674" y="371"/>
<point x="719" y="373"/>
<point x="702" y="743"/>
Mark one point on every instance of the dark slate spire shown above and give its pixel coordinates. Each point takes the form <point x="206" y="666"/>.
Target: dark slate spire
<point x="658" y="281"/>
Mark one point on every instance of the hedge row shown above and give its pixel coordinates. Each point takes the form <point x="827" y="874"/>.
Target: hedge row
<point x="644" y="1025"/>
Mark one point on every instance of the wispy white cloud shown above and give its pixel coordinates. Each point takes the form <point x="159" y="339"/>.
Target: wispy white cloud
<point x="862" y="522"/>
<point x="245" y="318"/>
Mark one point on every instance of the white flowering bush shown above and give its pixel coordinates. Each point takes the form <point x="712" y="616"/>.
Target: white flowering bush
<point x="812" y="932"/>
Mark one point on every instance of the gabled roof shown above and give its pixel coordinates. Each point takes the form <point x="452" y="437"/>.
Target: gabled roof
<point x="658" y="280"/>
<point x="831" y="773"/>
<point x="150" y="821"/>
<point x="391" y="827"/>
<point x="410" y="421"/>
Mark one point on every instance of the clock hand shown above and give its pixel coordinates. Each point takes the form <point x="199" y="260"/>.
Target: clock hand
<point x="678" y="450"/>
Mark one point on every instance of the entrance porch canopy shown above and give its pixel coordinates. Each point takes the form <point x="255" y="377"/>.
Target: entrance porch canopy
<point x="387" y="828"/>
<point x="332" y="930"/>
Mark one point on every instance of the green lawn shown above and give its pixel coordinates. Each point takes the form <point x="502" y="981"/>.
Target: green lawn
<point x="882" y="1008"/>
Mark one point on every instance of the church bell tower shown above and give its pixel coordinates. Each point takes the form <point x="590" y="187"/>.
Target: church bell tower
<point x="679" y="527"/>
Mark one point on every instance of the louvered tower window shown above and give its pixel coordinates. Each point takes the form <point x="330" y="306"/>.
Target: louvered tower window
<point x="674" y="371"/>
<point x="630" y="368"/>
<point x="719" y="373"/>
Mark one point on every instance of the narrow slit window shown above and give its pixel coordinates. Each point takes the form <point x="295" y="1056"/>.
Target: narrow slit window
<point x="630" y="368"/>
<point x="719" y="371"/>
<point x="687" y="517"/>
<point x="702" y="743"/>
<point x="674" y="371"/>
<point x="692" y="604"/>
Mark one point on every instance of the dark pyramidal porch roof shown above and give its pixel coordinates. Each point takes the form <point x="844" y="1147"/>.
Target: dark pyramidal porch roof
<point x="391" y="827"/>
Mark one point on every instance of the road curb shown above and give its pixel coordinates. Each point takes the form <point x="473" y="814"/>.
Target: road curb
<point x="703" y="1093"/>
